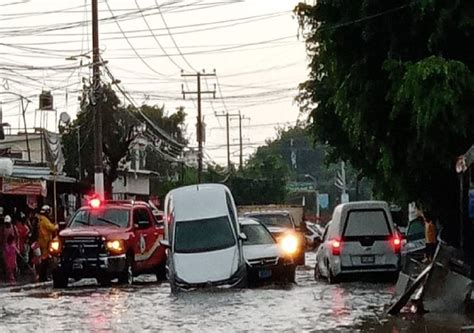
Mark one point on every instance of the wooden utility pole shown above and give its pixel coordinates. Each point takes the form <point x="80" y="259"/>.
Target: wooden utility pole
<point x="96" y="100"/>
<point x="199" y="127"/>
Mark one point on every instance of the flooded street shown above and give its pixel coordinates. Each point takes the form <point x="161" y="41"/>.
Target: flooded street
<point x="307" y="306"/>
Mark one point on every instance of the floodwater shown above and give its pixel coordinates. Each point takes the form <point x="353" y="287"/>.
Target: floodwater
<point x="149" y="306"/>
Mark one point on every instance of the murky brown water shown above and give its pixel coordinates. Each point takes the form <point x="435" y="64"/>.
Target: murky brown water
<point x="307" y="306"/>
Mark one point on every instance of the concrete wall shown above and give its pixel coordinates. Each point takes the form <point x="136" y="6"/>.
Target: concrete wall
<point x="18" y="143"/>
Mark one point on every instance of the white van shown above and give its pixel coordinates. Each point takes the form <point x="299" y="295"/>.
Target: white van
<point x="360" y="238"/>
<point x="203" y="237"/>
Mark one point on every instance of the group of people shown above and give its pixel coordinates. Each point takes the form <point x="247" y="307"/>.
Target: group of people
<point x="24" y="240"/>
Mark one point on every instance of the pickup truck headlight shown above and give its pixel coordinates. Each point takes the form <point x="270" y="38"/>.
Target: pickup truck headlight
<point x="289" y="244"/>
<point x="115" y="246"/>
<point x="55" y="247"/>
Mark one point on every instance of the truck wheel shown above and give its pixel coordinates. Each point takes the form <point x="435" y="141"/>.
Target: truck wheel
<point x="104" y="280"/>
<point x="161" y="272"/>
<point x="60" y="280"/>
<point x="126" y="277"/>
<point x="301" y="260"/>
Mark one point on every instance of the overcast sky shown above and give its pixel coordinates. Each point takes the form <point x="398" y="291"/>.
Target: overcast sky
<point x="252" y="45"/>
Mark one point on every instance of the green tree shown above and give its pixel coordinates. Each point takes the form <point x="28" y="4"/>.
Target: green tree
<point x="390" y="89"/>
<point x="116" y="123"/>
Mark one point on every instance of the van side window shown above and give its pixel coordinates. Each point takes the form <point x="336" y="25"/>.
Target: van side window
<point x="230" y="207"/>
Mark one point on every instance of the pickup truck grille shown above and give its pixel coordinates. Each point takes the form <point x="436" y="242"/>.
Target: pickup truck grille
<point x="82" y="247"/>
<point x="269" y="261"/>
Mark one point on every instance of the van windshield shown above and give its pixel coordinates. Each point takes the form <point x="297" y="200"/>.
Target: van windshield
<point x="203" y="235"/>
<point x="366" y="223"/>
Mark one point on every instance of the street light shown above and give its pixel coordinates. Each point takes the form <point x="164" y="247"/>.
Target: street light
<point x="315" y="186"/>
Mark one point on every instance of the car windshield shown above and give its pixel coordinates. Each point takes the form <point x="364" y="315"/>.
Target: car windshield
<point x="256" y="234"/>
<point x="117" y="217"/>
<point x="366" y="223"/>
<point x="203" y="235"/>
<point x="274" y="220"/>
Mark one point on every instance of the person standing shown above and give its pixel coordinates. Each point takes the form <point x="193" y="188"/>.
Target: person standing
<point x="46" y="231"/>
<point x="23" y="235"/>
<point x="430" y="237"/>
<point x="9" y="255"/>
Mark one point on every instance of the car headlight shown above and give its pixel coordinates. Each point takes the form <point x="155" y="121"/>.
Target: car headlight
<point x="289" y="244"/>
<point x="115" y="246"/>
<point x="55" y="247"/>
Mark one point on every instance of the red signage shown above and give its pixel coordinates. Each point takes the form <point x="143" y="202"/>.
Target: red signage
<point x="20" y="186"/>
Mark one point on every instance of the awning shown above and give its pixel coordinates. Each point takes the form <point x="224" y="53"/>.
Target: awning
<point x="22" y="186"/>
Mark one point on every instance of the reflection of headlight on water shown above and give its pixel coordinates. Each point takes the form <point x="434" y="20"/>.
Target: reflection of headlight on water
<point x="289" y="244"/>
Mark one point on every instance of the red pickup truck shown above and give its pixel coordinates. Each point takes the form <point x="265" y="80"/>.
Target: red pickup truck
<point x="109" y="240"/>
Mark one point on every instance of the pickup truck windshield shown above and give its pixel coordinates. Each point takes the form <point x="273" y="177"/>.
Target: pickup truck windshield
<point x="98" y="218"/>
<point x="273" y="220"/>
<point x="203" y="235"/>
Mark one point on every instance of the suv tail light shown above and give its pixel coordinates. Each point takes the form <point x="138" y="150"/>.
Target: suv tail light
<point x="336" y="246"/>
<point x="396" y="243"/>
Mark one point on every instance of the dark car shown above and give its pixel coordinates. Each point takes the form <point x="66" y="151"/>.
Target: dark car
<point x="109" y="240"/>
<point x="283" y="229"/>
<point x="265" y="258"/>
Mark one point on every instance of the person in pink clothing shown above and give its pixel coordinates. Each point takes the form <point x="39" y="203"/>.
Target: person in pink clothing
<point x="9" y="255"/>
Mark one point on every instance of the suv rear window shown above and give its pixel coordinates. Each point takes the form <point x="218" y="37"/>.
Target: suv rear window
<point x="366" y="223"/>
<point x="203" y="235"/>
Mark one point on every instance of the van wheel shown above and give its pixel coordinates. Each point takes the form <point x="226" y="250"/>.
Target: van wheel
<point x="332" y="279"/>
<point x="317" y="272"/>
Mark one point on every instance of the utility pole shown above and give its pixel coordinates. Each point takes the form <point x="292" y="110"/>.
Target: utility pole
<point x="227" y="116"/>
<point x="199" y="127"/>
<point x="241" y="157"/>
<point x="97" y="99"/>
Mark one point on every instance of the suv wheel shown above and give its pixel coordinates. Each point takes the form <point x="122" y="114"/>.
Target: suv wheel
<point x="331" y="278"/>
<point x="126" y="277"/>
<point x="60" y="280"/>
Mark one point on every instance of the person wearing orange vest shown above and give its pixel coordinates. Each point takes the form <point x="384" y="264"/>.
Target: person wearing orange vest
<point x="46" y="231"/>
<point x="430" y="237"/>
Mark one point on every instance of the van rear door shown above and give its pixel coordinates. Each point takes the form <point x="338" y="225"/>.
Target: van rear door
<point x="367" y="240"/>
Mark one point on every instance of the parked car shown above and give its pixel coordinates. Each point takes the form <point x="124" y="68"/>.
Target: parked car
<point x="361" y="238"/>
<point x="265" y="259"/>
<point x="107" y="240"/>
<point x="283" y="228"/>
<point x="203" y="238"/>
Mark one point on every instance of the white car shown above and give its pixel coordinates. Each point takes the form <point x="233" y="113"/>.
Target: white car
<point x="203" y="238"/>
<point x="361" y="238"/>
<point x="265" y="258"/>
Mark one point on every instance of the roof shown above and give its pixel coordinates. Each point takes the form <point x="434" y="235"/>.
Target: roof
<point x="199" y="201"/>
<point x="41" y="173"/>
<point x="369" y="204"/>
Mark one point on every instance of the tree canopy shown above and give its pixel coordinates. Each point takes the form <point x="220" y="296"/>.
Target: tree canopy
<point x="117" y="124"/>
<point x="390" y="89"/>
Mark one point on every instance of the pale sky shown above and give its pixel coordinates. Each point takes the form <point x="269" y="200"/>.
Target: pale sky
<point x="252" y="45"/>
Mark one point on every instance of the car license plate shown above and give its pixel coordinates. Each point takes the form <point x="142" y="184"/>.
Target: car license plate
<point x="367" y="259"/>
<point x="264" y="273"/>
